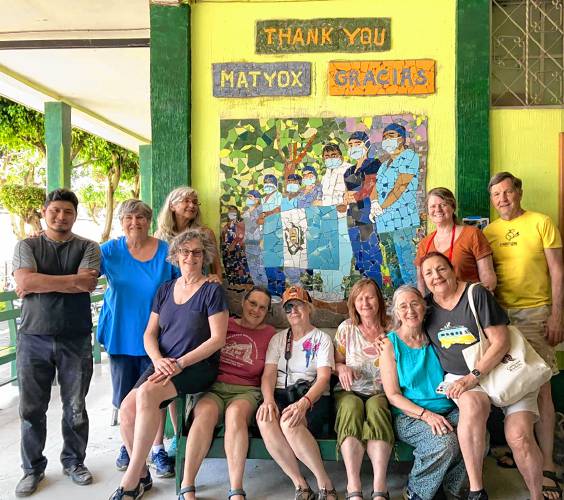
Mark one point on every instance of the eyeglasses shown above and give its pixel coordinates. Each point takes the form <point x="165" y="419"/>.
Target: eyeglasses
<point x="191" y="201"/>
<point x="185" y="252"/>
<point x="289" y="306"/>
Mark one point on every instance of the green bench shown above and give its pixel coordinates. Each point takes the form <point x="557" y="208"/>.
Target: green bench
<point x="11" y="312"/>
<point x="257" y="450"/>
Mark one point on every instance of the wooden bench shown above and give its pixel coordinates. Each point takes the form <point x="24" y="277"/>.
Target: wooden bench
<point x="402" y="452"/>
<point x="11" y="312"/>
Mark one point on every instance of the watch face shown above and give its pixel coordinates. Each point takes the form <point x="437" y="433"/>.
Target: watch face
<point x="476" y="373"/>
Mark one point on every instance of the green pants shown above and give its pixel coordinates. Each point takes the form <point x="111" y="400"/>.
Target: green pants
<point x="364" y="418"/>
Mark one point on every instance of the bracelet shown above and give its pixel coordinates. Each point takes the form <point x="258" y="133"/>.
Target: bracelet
<point x="309" y="401"/>
<point x="421" y="414"/>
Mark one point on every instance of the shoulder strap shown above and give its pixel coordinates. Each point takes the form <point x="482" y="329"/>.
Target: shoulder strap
<point x="473" y="308"/>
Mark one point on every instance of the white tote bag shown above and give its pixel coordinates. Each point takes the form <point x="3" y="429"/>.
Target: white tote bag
<point x="520" y="372"/>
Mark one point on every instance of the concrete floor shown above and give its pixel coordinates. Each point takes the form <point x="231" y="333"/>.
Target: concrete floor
<point x="263" y="479"/>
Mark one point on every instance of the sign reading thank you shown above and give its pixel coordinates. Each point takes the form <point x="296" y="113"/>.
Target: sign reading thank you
<point x="284" y="36"/>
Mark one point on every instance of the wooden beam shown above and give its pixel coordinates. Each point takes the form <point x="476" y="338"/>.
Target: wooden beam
<point x="58" y="144"/>
<point x="472" y="107"/>
<point x="170" y="99"/>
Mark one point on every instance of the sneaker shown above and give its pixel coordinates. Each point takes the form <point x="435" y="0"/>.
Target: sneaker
<point x="171" y="452"/>
<point x="478" y="495"/>
<point x="28" y="484"/>
<point x="161" y="463"/>
<point x="147" y="481"/>
<point x="79" y="474"/>
<point x="121" y="494"/>
<point x="122" y="461"/>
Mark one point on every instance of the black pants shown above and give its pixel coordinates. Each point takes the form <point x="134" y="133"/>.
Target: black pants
<point x="38" y="356"/>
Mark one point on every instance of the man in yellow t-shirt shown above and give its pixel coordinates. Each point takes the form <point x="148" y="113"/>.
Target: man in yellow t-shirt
<point x="527" y="254"/>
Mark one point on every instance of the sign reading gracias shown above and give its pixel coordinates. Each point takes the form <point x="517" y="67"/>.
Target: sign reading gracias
<point x="285" y="36"/>
<point x="239" y="79"/>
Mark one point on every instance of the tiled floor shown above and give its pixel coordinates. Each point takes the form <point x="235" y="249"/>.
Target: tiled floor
<point x="264" y="480"/>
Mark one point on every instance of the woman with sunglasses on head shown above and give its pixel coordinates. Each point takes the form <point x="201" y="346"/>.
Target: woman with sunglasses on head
<point x="363" y="417"/>
<point x="181" y="211"/>
<point x="452" y="326"/>
<point x="465" y="246"/>
<point x="234" y="397"/>
<point x="185" y="332"/>
<point x="295" y="388"/>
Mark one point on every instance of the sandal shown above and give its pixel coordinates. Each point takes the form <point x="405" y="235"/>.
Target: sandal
<point x="186" y="489"/>
<point x="353" y="494"/>
<point x="324" y="493"/>
<point x="235" y="492"/>
<point x="551" y="489"/>
<point x="121" y="494"/>
<point x="303" y="493"/>
<point x="383" y="494"/>
<point x="506" y="461"/>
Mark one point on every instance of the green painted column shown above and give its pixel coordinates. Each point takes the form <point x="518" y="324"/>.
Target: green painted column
<point x="58" y="143"/>
<point x="472" y="106"/>
<point x="146" y="172"/>
<point x="170" y="99"/>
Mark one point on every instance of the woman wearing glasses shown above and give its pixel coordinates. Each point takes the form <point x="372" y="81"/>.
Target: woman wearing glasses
<point x="234" y="397"/>
<point x="295" y="388"/>
<point x="181" y="211"/>
<point x="185" y="332"/>
<point x="465" y="246"/>
<point x="363" y="421"/>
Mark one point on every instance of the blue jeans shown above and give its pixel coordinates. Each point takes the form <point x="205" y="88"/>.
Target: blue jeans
<point x="438" y="459"/>
<point x="38" y="357"/>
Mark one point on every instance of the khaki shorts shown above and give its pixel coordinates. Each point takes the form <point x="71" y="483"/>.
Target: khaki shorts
<point x="224" y="394"/>
<point x="532" y="323"/>
<point x="527" y="403"/>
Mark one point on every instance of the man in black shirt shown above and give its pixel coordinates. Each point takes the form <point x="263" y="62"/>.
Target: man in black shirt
<point x="55" y="273"/>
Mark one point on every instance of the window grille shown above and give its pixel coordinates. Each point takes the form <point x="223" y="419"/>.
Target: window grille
<point x="527" y="53"/>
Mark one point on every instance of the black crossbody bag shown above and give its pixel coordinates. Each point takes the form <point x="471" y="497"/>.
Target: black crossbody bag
<point x="294" y="392"/>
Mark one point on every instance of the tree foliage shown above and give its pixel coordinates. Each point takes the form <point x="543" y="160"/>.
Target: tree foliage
<point x="25" y="202"/>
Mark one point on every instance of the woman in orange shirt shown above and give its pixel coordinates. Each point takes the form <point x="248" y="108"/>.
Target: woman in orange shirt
<point x="465" y="246"/>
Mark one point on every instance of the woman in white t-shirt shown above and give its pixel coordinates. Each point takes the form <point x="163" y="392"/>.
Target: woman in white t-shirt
<point x="363" y="420"/>
<point x="295" y="388"/>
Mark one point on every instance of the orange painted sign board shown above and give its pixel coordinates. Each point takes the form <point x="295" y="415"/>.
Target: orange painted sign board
<point x="393" y="77"/>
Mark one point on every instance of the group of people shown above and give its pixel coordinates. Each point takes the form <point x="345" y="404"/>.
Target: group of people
<point x="401" y="375"/>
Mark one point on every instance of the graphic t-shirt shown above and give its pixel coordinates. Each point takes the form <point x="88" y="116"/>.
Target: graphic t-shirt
<point x="361" y="356"/>
<point x="518" y="245"/>
<point x="455" y="330"/>
<point x="309" y="353"/>
<point x="242" y="358"/>
<point x="185" y="326"/>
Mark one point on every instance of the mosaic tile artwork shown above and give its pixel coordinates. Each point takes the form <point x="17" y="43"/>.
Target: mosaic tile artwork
<point x="322" y="202"/>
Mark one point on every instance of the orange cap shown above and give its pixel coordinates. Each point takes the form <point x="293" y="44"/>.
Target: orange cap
<point x="295" y="293"/>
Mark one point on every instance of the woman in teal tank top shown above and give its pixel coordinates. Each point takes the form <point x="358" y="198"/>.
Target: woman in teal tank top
<point x="423" y="418"/>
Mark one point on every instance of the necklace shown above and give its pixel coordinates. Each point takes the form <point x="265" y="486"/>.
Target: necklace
<point x="186" y="284"/>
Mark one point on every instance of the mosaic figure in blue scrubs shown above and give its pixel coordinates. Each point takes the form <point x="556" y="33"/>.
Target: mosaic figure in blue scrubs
<point x="395" y="207"/>
<point x="253" y="238"/>
<point x="272" y="235"/>
<point x="311" y="190"/>
<point x="293" y="184"/>
<point x="360" y="180"/>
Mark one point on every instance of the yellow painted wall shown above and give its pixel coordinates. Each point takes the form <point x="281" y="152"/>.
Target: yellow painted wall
<point x="225" y="32"/>
<point x="525" y="143"/>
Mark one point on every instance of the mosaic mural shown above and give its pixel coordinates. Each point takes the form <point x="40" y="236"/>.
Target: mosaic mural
<point x="322" y="201"/>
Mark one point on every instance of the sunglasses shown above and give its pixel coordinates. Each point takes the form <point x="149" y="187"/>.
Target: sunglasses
<point x="289" y="306"/>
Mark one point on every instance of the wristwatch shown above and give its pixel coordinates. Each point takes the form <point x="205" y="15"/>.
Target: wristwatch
<point x="476" y="373"/>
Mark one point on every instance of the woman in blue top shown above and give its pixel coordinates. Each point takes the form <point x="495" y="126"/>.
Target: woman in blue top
<point x="185" y="331"/>
<point x="135" y="266"/>
<point x="423" y="418"/>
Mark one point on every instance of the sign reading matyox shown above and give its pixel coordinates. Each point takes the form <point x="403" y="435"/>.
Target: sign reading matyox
<point x="239" y="79"/>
